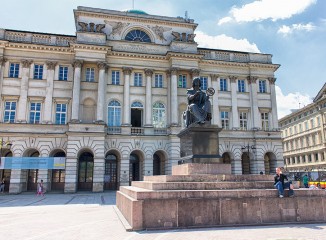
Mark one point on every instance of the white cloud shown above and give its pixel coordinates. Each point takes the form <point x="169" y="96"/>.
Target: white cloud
<point x="267" y="9"/>
<point x="285" y="30"/>
<point x="225" y="42"/>
<point x="291" y="101"/>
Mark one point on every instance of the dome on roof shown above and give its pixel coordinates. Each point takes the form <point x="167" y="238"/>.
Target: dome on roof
<point x="136" y="11"/>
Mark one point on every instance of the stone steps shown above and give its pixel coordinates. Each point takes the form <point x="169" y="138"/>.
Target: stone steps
<point x="209" y="178"/>
<point x="203" y="185"/>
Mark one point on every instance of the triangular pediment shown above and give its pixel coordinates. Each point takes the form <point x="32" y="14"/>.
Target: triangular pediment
<point x="321" y="94"/>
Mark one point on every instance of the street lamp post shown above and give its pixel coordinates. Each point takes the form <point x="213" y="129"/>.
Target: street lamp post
<point x="248" y="147"/>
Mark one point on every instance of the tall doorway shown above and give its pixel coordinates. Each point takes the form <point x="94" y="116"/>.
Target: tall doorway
<point x="134" y="168"/>
<point x="85" y="172"/>
<point x="110" y="173"/>
<point x="58" y="175"/>
<point x="32" y="174"/>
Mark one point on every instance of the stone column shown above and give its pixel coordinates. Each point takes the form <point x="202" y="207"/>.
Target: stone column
<point x="168" y="83"/>
<point x="234" y="100"/>
<point x="22" y="103"/>
<point x="2" y="63"/>
<point x="76" y="91"/>
<point x="274" y="104"/>
<point x="101" y="90"/>
<point x="98" y="173"/>
<point x="148" y="103"/>
<point x="126" y="96"/>
<point x="49" y="92"/>
<point x="174" y="97"/>
<point x="252" y="81"/>
<point x="124" y="170"/>
<point x="215" y="111"/>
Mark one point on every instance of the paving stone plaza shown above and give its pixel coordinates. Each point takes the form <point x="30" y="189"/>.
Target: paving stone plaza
<point x="94" y="216"/>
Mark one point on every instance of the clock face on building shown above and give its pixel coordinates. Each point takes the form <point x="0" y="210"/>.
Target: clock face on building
<point x="137" y="36"/>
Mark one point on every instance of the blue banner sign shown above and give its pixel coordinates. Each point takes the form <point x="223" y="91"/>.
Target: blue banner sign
<point x="32" y="163"/>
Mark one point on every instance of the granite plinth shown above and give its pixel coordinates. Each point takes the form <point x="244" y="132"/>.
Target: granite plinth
<point x="182" y="201"/>
<point x="199" y="168"/>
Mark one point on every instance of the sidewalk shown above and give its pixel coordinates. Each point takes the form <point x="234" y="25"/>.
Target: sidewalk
<point x="87" y="216"/>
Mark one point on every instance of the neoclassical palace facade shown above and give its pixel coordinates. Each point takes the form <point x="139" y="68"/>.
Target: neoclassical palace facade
<point x="304" y="136"/>
<point x="109" y="101"/>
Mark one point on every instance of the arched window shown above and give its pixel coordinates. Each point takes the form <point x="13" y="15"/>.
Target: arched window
<point x="159" y="119"/>
<point x="137" y="36"/>
<point x="114" y="114"/>
<point x="136" y="105"/>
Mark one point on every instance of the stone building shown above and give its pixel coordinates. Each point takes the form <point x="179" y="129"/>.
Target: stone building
<point x="109" y="100"/>
<point x="303" y="136"/>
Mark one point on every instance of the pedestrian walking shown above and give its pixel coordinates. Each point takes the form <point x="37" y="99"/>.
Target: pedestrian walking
<point x="40" y="189"/>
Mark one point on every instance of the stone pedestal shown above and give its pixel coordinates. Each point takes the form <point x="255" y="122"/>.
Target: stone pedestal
<point x="199" y="143"/>
<point x="200" y="168"/>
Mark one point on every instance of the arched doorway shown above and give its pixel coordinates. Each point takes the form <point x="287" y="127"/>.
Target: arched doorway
<point x="226" y="158"/>
<point x="134" y="168"/>
<point x="85" y="171"/>
<point x="245" y="163"/>
<point x="32" y="174"/>
<point x="58" y="175"/>
<point x="6" y="173"/>
<point x="111" y="172"/>
<point x="159" y="163"/>
<point x="270" y="163"/>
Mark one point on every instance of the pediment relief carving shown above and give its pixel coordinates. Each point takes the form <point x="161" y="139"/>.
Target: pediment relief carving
<point x="117" y="27"/>
<point x="91" y="27"/>
<point x="159" y="31"/>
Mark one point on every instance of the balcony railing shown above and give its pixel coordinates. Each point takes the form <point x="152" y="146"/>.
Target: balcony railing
<point x="137" y="131"/>
<point x="160" y="131"/>
<point x="114" y="130"/>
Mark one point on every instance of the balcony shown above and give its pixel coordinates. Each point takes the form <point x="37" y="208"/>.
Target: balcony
<point x="114" y="130"/>
<point x="137" y="131"/>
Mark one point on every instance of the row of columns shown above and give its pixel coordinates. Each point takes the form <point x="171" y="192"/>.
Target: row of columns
<point x="172" y="95"/>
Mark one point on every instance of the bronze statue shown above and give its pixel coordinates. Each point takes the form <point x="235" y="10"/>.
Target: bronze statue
<point x="199" y="106"/>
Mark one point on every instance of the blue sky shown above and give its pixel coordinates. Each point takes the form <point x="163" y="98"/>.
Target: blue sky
<point x="293" y="31"/>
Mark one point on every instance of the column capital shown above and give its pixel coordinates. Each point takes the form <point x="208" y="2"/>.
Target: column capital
<point x="26" y="63"/>
<point x="233" y="79"/>
<point x="77" y="63"/>
<point x="3" y="60"/>
<point x="194" y="72"/>
<point x="272" y="80"/>
<point x="214" y="76"/>
<point x="127" y="70"/>
<point x="101" y="65"/>
<point x="148" y="72"/>
<point x="174" y="70"/>
<point x="51" y="65"/>
<point x="252" y="79"/>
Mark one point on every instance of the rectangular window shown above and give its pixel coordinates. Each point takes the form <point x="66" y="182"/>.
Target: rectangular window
<point x="61" y="113"/>
<point x="138" y="79"/>
<point x="300" y="127"/>
<point x="63" y="73"/>
<point x="90" y="75"/>
<point x="182" y="83"/>
<point x="204" y="83"/>
<point x="241" y="86"/>
<point x="306" y="125"/>
<point x="318" y="121"/>
<point x="264" y="121"/>
<point x="38" y="71"/>
<point x="295" y="130"/>
<point x="223" y="84"/>
<point x="116" y="77"/>
<point x="312" y="123"/>
<point x="35" y="113"/>
<point x="158" y="80"/>
<point x="262" y="86"/>
<point x="243" y="120"/>
<point x="10" y="112"/>
<point x="14" y="70"/>
<point x="316" y="157"/>
<point x="225" y="120"/>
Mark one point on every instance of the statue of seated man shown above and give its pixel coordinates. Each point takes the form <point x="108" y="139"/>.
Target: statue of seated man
<point x="199" y="106"/>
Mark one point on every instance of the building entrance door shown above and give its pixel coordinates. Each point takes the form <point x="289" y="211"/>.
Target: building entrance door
<point x="110" y="175"/>
<point x="85" y="172"/>
<point x="134" y="168"/>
